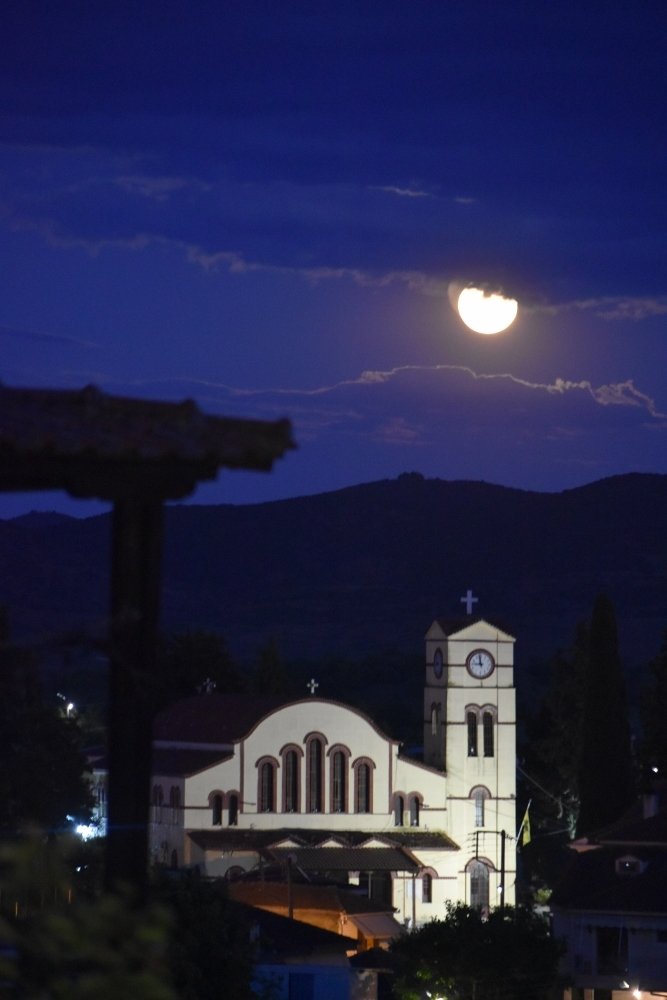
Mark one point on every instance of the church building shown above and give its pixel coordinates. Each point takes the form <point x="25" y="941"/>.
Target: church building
<point x="251" y="784"/>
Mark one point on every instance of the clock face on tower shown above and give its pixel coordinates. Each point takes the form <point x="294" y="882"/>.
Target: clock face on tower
<point x="480" y="664"/>
<point x="437" y="664"/>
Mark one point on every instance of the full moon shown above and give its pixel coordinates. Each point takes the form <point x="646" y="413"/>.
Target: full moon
<point x="486" y="312"/>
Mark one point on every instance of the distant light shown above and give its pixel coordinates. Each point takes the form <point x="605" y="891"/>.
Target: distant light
<point x="637" y="994"/>
<point x="654" y="769"/>
<point x="86" y="831"/>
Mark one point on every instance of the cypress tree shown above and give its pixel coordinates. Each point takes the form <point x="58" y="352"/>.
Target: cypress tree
<point x="606" y="771"/>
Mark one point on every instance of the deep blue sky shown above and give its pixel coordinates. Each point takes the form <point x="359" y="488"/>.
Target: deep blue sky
<point x="262" y="206"/>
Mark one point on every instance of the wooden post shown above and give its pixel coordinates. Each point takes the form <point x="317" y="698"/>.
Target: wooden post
<point x="135" y="593"/>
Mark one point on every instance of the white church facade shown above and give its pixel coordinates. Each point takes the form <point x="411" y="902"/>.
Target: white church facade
<point x="244" y="784"/>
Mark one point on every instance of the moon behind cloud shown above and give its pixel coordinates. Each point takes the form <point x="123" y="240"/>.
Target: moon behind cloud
<point x="486" y="312"/>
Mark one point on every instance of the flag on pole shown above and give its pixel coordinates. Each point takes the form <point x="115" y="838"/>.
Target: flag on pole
<point x="524" y="830"/>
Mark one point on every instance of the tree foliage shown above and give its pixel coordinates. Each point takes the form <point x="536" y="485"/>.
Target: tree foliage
<point x="508" y="956"/>
<point x="607" y="784"/>
<point x="653" y="708"/>
<point x="192" y="662"/>
<point x="42" y="764"/>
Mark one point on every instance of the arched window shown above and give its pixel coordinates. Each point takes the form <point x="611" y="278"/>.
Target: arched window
<point x="399" y="810"/>
<point x="157" y="803"/>
<point x="478" y="873"/>
<point x="479" y="796"/>
<point x="435" y="718"/>
<point x="414" y="810"/>
<point x="363" y="792"/>
<point x="291" y="782"/>
<point x="339" y="781"/>
<point x="175" y="803"/>
<point x="314" y="776"/>
<point x="233" y="809"/>
<point x="487" y="729"/>
<point x="427" y="888"/>
<point x="471" y="719"/>
<point x="266" y="792"/>
<point x="215" y="802"/>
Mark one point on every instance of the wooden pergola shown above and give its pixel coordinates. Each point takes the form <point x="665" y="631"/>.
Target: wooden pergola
<point x="136" y="454"/>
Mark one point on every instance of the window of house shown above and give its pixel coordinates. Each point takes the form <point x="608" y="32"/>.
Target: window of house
<point x="487" y="729"/>
<point x="216" y="809"/>
<point x="611" y="950"/>
<point x="399" y="810"/>
<point x="301" y="986"/>
<point x="267" y="787"/>
<point x="291" y="778"/>
<point x="471" y="718"/>
<point x="427" y="888"/>
<point x="233" y="809"/>
<point x="339" y="782"/>
<point x="314" y="757"/>
<point x="414" y="811"/>
<point x="362" y="798"/>
<point x="478" y="875"/>
<point x="435" y="719"/>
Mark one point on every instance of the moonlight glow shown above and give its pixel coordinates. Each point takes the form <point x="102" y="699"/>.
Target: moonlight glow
<point x="486" y="312"/>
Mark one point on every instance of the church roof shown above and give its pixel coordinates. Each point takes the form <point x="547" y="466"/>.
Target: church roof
<point x="185" y="761"/>
<point x="450" y="626"/>
<point x="218" y="720"/>
<point x="234" y="838"/>
<point x="214" y="719"/>
<point x="345" y="859"/>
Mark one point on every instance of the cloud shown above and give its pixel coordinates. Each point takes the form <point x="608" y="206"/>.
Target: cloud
<point x="39" y="337"/>
<point x="402" y="192"/>
<point x="621" y="308"/>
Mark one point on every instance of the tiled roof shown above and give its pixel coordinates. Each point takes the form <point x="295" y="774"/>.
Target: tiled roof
<point x="93" y="444"/>
<point x="305" y="897"/>
<point x="212" y="718"/>
<point x="346" y="859"/>
<point x="184" y="762"/>
<point x="232" y="838"/>
<point x="591" y="882"/>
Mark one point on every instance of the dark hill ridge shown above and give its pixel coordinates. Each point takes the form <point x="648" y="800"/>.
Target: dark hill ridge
<point x="367" y="568"/>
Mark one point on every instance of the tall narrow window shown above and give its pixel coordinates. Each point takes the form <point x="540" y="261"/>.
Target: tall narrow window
<point x="267" y="787"/>
<point x="157" y="803"/>
<point x="471" y="719"/>
<point x="399" y="810"/>
<point x="487" y="727"/>
<point x="434" y="719"/>
<point x="314" y="774"/>
<point x="414" y="811"/>
<point x="479" y="797"/>
<point x="233" y="809"/>
<point x="216" y="809"/>
<point x="363" y="789"/>
<point x="427" y="888"/>
<point x="291" y="777"/>
<point x="478" y="873"/>
<point x="339" y="782"/>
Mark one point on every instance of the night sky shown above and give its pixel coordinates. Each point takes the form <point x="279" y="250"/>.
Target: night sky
<point x="263" y="206"/>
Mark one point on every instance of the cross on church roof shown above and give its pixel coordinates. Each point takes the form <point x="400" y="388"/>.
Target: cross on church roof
<point x="469" y="600"/>
<point x="312" y="685"/>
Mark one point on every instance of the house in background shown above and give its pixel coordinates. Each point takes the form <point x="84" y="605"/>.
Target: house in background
<point x="610" y="910"/>
<point x="240" y="782"/>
